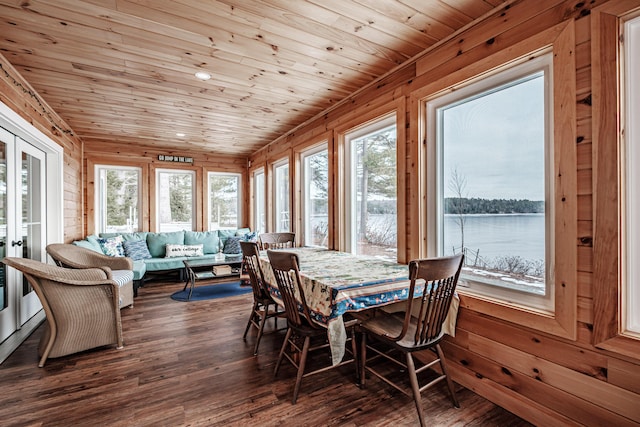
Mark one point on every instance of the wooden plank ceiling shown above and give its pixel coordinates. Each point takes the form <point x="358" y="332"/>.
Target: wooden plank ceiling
<point x="122" y="71"/>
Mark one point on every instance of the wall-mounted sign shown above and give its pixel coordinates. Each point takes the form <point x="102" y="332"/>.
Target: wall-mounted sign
<point x="179" y="159"/>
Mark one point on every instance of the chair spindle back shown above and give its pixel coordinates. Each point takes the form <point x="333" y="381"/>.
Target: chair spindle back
<point x="285" y="266"/>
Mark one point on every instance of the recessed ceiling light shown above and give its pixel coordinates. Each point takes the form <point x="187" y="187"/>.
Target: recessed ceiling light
<point x="203" y="75"/>
<point x="180" y="134"/>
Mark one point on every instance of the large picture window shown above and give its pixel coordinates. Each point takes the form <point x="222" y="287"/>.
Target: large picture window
<point x="282" y="205"/>
<point x="118" y="199"/>
<point x="315" y="195"/>
<point x="490" y="157"/>
<point x="175" y="196"/>
<point x="224" y="200"/>
<point x="371" y="189"/>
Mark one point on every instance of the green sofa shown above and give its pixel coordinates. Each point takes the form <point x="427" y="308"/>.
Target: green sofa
<point x="156" y="260"/>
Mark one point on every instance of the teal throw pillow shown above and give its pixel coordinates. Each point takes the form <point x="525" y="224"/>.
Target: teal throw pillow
<point x="208" y="239"/>
<point x="136" y="249"/>
<point x="157" y="242"/>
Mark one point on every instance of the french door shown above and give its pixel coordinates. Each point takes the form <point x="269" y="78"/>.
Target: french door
<point x="22" y="226"/>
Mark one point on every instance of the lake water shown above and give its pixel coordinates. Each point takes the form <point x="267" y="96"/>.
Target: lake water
<point x="492" y="235"/>
<point x="498" y="235"/>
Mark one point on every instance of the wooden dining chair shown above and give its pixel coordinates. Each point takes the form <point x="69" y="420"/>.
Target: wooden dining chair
<point x="302" y="328"/>
<point x="282" y="240"/>
<point x="435" y="280"/>
<point x="264" y="307"/>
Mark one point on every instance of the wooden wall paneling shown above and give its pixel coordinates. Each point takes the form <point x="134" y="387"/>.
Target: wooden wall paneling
<point x="529" y="379"/>
<point x="334" y="197"/>
<point x="585" y="310"/>
<point x="607" y="175"/>
<point x="585" y="284"/>
<point x="416" y="239"/>
<point x="496" y="33"/>
<point x="510" y="399"/>
<point x="599" y="393"/>
<point x="401" y="174"/>
<point x="584" y="154"/>
<point x="19" y="95"/>
<point x="580" y="358"/>
<point x="624" y="374"/>
<point x="584" y="181"/>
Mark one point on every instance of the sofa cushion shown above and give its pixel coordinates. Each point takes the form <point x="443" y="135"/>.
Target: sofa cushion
<point x="157" y="242"/>
<point x="112" y="246"/>
<point x="242" y="231"/>
<point x="139" y="269"/>
<point x="137" y="235"/>
<point x="136" y="249"/>
<point x="224" y="234"/>
<point x="172" y="251"/>
<point x="208" y="239"/>
<point x="93" y="239"/>
<point x="88" y="245"/>
<point x="132" y="237"/>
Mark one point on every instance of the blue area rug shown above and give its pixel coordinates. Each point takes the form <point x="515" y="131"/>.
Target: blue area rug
<point x="219" y="290"/>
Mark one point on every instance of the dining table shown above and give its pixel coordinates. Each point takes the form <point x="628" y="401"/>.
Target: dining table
<point x="335" y="283"/>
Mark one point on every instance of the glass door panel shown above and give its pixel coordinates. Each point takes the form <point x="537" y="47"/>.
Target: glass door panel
<point x="31" y="215"/>
<point x="8" y="311"/>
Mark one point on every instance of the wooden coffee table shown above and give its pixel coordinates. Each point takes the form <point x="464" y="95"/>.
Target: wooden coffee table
<point x="202" y="269"/>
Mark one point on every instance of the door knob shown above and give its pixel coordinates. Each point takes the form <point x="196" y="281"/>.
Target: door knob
<point x="18" y="243"/>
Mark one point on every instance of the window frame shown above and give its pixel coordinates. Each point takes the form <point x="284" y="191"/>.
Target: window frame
<point x="501" y="78"/>
<point x="238" y="177"/>
<point x="258" y="208"/>
<point x="304" y="219"/>
<point x="100" y="220"/>
<point x="275" y="166"/>
<point x="561" y="39"/>
<point x="607" y="144"/>
<point x="353" y="133"/>
<point x="194" y="204"/>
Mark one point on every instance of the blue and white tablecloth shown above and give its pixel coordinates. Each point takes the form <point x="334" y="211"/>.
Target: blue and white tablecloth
<point x="335" y="283"/>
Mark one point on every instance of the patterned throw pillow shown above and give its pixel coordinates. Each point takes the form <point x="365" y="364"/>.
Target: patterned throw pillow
<point x="136" y="249"/>
<point x="232" y="246"/>
<point x="250" y="237"/>
<point x="112" y="246"/>
<point x="173" y="251"/>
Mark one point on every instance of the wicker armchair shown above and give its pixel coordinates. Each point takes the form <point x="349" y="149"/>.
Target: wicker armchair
<point x="81" y="307"/>
<point x="121" y="268"/>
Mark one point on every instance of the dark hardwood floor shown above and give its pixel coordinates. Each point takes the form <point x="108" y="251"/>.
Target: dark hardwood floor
<point x="185" y="364"/>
